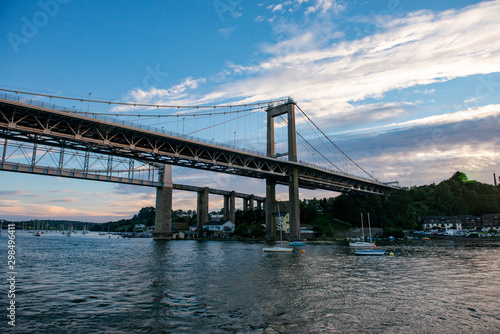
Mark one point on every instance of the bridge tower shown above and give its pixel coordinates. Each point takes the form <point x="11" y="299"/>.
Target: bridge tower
<point x="293" y="179"/>
<point x="163" y="217"/>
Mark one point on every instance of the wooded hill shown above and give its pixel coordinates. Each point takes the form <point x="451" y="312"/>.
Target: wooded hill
<point x="406" y="208"/>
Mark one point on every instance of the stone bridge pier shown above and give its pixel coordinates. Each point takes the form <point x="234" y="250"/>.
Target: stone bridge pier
<point x="163" y="218"/>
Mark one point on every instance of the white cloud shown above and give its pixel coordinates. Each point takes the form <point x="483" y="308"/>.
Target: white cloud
<point x="276" y="8"/>
<point x="323" y="6"/>
<point x="226" y="32"/>
<point x="332" y="79"/>
<point x="454" y="117"/>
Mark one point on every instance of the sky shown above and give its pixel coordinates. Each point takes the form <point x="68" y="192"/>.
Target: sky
<point x="410" y="90"/>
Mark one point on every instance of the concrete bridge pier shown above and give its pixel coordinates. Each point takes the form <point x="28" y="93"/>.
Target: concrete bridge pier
<point x="202" y="210"/>
<point x="270" y="208"/>
<point x="229" y="207"/>
<point x="163" y="216"/>
<point x="294" y="204"/>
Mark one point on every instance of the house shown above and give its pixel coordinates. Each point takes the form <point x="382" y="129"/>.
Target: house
<point x="442" y="222"/>
<point x="179" y="230"/>
<point x="469" y="222"/>
<point x="216" y="216"/>
<point x="217" y="229"/>
<point x="491" y="221"/>
<point x="139" y="227"/>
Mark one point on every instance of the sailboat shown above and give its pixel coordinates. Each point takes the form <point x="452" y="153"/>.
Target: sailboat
<point x="371" y="251"/>
<point x="280" y="248"/>
<point x="295" y="242"/>
<point x="363" y="243"/>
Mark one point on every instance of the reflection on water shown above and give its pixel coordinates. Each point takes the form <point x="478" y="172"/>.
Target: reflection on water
<point x="94" y="284"/>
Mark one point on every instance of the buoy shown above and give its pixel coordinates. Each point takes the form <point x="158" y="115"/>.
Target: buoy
<point x="182" y="244"/>
<point x="141" y="242"/>
<point x="391" y="254"/>
<point x="303" y="251"/>
<point x="222" y="247"/>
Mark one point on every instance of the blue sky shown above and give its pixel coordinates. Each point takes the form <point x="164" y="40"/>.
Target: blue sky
<point x="409" y="89"/>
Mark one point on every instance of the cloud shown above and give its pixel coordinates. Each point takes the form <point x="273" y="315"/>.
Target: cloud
<point x="323" y="6"/>
<point x="275" y="8"/>
<point x="17" y="193"/>
<point x="470" y="114"/>
<point x="429" y="150"/>
<point x="344" y="84"/>
<point x="177" y="94"/>
<point x="226" y="32"/>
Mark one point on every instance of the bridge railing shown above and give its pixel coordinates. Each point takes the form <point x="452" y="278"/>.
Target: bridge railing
<point x="114" y="120"/>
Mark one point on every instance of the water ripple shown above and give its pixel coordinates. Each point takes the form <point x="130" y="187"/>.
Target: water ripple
<point x="94" y="284"/>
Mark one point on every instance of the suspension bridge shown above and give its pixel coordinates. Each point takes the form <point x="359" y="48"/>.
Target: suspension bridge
<point x="101" y="145"/>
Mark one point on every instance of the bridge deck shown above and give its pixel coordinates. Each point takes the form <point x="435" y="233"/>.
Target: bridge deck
<point x="22" y="121"/>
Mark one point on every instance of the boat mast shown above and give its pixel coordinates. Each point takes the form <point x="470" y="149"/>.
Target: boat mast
<point x="369" y="227"/>
<point x="362" y="229"/>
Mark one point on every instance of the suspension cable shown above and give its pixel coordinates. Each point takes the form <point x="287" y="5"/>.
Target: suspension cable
<point x="338" y="148"/>
<point x="144" y="104"/>
<point x="314" y="148"/>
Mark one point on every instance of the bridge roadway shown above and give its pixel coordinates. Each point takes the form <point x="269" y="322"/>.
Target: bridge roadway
<point x="79" y="174"/>
<point x="32" y="121"/>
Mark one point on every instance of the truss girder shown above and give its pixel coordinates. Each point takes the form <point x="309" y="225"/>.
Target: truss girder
<point x="24" y="122"/>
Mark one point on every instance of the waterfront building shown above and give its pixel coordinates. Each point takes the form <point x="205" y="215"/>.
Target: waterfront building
<point x="217" y="229"/>
<point x="442" y="222"/>
<point x="491" y="221"/>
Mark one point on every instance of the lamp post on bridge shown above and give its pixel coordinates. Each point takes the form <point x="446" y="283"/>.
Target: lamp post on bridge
<point x="88" y="107"/>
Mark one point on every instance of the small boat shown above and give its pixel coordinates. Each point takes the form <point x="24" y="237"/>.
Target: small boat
<point x="37" y="234"/>
<point x="369" y="252"/>
<point x="277" y="249"/>
<point x="361" y="244"/>
<point x="296" y="243"/>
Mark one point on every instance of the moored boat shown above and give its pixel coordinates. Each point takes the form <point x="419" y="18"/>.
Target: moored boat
<point x="369" y="252"/>
<point x="277" y="249"/>
<point x="363" y="243"/>
<point x="296" y="243"/>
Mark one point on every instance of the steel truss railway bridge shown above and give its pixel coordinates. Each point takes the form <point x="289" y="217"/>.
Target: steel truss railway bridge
<point x="143" y="156"/>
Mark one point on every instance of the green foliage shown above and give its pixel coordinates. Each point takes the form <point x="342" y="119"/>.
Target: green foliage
<point x="406" y="209"/>
<point x="242" y="230"/>
<point x="248" y="224"/>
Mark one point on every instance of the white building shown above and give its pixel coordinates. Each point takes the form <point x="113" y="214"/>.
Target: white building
<point x="217" y="229"/>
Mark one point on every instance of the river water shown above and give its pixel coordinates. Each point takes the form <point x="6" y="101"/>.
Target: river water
<point x="97" y="284"/>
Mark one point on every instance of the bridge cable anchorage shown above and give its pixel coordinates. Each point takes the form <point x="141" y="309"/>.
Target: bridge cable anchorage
<point x="338" y="148"/>
<point x="266" y="103"/>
